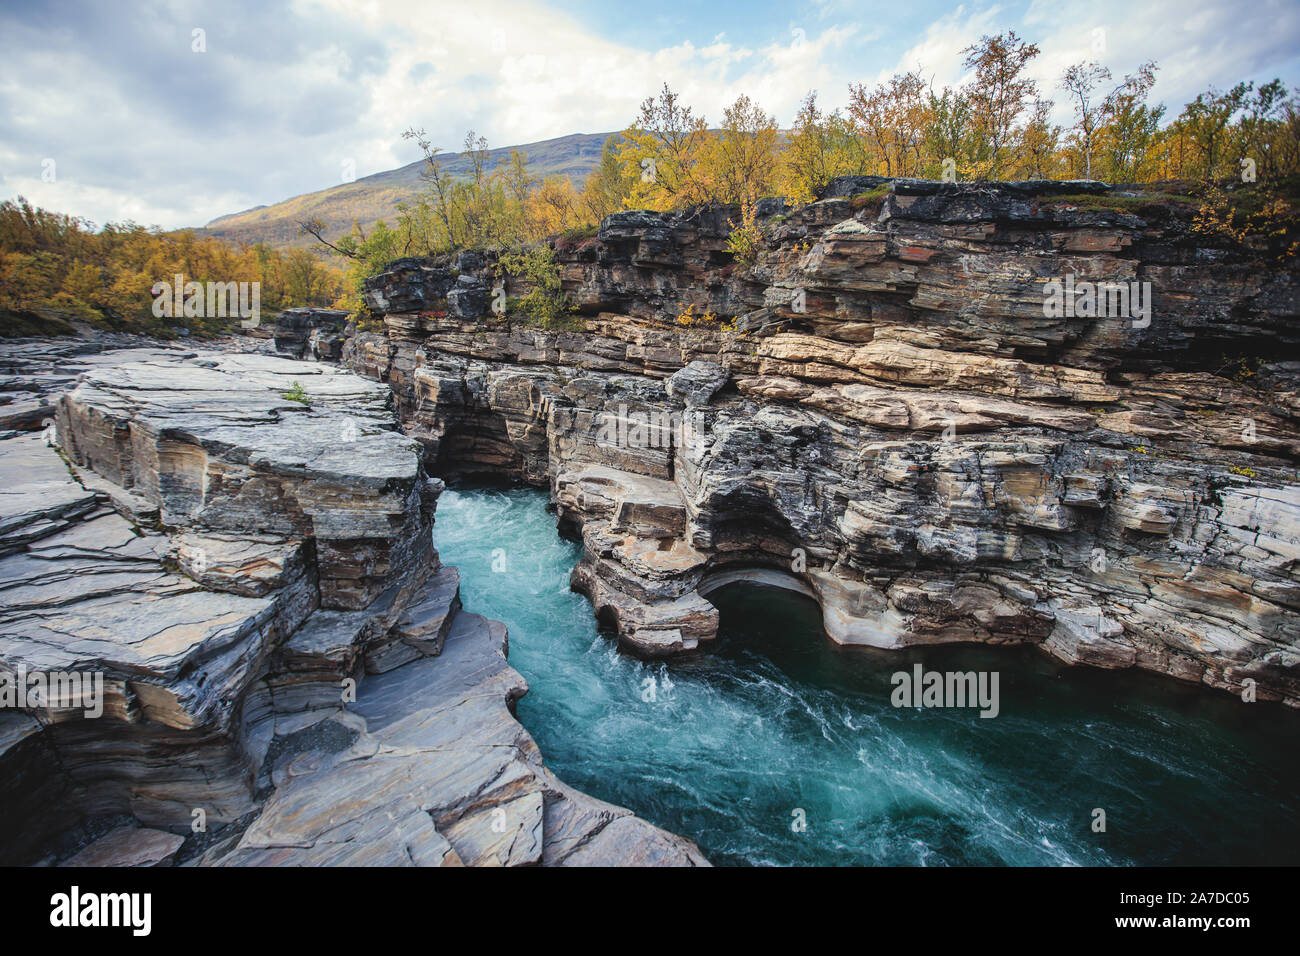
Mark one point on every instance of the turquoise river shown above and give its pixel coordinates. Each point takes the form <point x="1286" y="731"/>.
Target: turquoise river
<point x="772" y="726"/>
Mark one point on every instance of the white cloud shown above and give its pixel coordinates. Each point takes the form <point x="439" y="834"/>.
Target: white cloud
<point x="1194" y="42"/>
<point x="261" y="116"/>
<point x="554" y="76"/>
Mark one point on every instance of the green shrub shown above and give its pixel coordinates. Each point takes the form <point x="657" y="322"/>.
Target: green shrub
<point x="27" y="323"/>
<point x="296" y="394"/>
<point x="545" y="303"/>
<point x="746" y="240"/>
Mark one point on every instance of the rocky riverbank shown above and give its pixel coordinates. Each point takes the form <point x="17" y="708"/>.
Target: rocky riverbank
<point x="879" y="412"/>
<point x="238" y="547"/>
<point x="885" y="415"/>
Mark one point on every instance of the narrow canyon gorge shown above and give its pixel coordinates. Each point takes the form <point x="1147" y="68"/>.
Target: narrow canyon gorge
<point x="879" y="413"/>
<point x="887" y="420"/>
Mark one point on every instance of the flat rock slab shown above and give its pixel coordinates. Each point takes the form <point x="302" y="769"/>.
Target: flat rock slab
<point x="697" y="382"/>
<point x="445" y="775"/>
<point x="223" y="556"/>
<point x="129" y="846"/>
<point x="245" y="444"/>
<point x="37" y="493"/>
<point x="95" y="594"/>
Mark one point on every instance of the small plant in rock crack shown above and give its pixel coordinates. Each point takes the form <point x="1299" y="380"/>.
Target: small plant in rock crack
<point x="745" y="240"/>
<point x="296" y="394"/>
<point x="1242" y="369"/>
<point x="546" y="304"/>
<point x="688" y="318"/>
<point x="870" y="201"/>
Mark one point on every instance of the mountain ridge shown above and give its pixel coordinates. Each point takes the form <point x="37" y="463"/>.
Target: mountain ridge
<point x="371" y="198"/>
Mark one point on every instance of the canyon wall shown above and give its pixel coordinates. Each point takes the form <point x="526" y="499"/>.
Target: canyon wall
<point x="239" y="548"/>
<point x="881" y="412"/>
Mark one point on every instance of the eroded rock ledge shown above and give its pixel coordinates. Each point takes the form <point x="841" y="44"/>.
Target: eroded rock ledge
<point x="887" y="420"/>
<point x="229" y="551"/>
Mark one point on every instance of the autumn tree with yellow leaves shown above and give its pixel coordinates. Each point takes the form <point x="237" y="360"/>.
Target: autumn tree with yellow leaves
<point x="996" y="125"/>
<point x="663" y="154"/>
<point x="820" y="147"/>
<point x="890" y="121"/>
<point x="61" y="265"/>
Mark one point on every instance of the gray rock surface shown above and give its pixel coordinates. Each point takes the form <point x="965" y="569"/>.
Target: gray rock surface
<point x="698" y="382"/>
<point x="906" y="433"/>
<point x="282" y="656"/>
<point x="310" y="333"/>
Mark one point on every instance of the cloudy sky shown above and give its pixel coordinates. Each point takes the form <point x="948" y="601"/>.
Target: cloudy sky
<point x="108" y="110"/>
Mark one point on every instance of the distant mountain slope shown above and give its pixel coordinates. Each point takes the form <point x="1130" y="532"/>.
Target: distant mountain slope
<point x="376" y="197"/>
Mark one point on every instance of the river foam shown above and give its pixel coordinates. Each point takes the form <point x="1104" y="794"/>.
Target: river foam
<point x="772" y="726"/>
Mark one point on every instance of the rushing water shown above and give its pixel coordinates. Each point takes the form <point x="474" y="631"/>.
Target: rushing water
<point x="772" y="719"/>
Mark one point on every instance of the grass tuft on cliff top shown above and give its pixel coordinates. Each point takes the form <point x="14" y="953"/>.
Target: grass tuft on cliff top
<point x="869" y="199"/>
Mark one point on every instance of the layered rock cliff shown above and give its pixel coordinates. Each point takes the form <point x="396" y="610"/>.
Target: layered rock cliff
<point x="239" y="549"/>
<point x="882" y="412"/>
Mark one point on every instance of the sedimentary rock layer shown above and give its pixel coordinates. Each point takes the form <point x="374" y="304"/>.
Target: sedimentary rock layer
<point x="238" y="548"/>
<point x="886" y="415"/>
